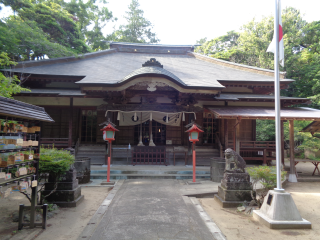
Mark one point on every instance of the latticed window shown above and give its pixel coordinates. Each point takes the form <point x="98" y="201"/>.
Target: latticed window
<point x="88" y="126"/>
<point x="210" y="126"/>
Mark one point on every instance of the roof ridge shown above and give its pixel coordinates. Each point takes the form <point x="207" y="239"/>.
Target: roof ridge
<point x="64" y="59"/>
<point x="243" y="67"/>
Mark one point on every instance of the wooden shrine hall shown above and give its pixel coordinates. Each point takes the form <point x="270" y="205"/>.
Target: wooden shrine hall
<point x="151" y="92"/>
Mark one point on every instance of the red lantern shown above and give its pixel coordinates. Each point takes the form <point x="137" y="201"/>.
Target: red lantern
<point x="194" y="137"/>
<point x="109" y="132"/>
<point x="194" y="133"/>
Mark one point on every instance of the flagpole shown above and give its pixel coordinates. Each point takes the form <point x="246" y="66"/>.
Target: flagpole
<point x="277" y="97"/>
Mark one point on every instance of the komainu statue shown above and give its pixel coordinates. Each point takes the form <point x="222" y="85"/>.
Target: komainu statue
<point x="239" y="163"/>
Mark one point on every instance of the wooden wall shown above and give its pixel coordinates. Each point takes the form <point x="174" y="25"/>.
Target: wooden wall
<point x="60" y="128"/>
<point x="247" y="130"/>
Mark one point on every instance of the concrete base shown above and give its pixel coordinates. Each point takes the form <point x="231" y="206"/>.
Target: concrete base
<point x="227" y="204"/>
<point x="108" y="183"/>
<point x="262" y="218"/>
<point x="191" y="182"/>
<point x="279" y="211"/>
<point x="292" y="178"/>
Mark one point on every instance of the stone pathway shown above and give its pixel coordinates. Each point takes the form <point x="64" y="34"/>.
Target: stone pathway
<point x="151" y="209"/>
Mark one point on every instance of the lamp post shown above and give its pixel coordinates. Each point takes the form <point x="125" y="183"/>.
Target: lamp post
<point x="194" y="137"/>
<point x="108" y="135"/>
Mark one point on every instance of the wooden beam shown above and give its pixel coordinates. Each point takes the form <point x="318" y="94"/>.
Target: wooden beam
<point x="282" y="142"/>
<point x="225" y="133"/>
<point x="291" y="138"/>
<point x="70" y="123"/>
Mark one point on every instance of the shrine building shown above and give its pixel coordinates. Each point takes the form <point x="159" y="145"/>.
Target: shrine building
<point x="151" y="92"/>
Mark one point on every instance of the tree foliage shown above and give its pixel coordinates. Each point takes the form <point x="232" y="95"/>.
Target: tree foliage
<point x="9" y="84"/>
<point x="137" y="30"/>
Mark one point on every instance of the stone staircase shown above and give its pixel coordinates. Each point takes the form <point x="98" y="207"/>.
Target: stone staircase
<point x="94" y="151"/>
<point x="180" y="174"/>
<point x="204" y="155"/>
<point x="122" y="156"/>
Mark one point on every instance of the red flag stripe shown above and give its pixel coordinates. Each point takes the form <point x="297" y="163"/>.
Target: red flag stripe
<point x="280" y="33"/>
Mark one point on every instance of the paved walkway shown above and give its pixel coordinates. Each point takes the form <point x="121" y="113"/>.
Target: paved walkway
<point x="151" y="209"/>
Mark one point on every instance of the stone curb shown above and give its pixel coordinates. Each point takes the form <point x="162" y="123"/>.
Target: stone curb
<point x="97" y="217"/>
<point x="213" y="228"/>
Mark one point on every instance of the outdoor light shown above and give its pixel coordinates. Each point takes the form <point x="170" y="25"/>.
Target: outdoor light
<point x="109" y="132"/>
<point x="194" y="137"/>
<point x="194" y="133"/>
<point x="108" y="135"/>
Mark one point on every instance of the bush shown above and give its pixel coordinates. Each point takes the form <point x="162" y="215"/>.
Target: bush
<point x="267" y="176"/>
<point x="54" y="161"/>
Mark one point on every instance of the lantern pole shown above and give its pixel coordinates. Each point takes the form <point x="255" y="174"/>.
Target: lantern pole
<point x="109" y="160"/>
<point x="194" y="161"/>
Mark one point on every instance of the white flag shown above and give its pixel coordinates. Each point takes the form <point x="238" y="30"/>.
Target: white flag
<point x="272" y="46"/>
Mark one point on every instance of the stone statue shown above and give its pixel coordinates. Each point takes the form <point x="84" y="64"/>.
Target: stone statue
<point x="239" y="163"/>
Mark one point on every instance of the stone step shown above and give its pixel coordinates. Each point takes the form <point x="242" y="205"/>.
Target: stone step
<point x="154" y="172"/>
<point x="150" y="176"/>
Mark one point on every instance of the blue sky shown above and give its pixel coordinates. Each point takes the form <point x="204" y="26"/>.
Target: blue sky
<point x="186" y="21"/>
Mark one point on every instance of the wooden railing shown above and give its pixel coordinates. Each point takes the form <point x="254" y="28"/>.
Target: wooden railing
<point x="258" y="144"/>
<point x="56" y="142"/>
<point x="219" y="145"/>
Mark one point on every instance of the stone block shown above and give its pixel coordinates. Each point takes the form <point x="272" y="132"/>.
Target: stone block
<point x="70" y="176"/>
<point x="62" y="185"/>
<point x="227" y="204"/>
<point x="63" y="195"/>
<point x="236" y="177"/>
<point x="234" y="195"/>
<point x="236" y="185"/>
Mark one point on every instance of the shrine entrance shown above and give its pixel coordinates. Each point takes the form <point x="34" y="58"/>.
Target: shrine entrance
<point x="158" y="133"/>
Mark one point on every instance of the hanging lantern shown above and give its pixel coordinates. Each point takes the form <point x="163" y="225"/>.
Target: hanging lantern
<point x="194" y="133"/>
<point x="109" y="132"/>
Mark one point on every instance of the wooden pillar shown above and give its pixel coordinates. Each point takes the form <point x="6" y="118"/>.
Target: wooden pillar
<point x="226" y="133"/>
<point x="238" y="138"/>
<point x="70" y="123"/>
<point x="292" y="174"/>
<point x="282" y="143"/>
<point x="151" y="143"/>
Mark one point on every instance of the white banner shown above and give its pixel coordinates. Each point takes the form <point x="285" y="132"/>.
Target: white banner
<point x="134" y="118"/>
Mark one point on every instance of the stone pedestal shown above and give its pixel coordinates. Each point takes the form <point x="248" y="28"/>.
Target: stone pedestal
<point x="68" y="193"/>
<point x="235" y="189"/>
<point x="279" y="211"/>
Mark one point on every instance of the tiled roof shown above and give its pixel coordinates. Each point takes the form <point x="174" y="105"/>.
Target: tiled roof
<point x="115" y="65"/>
<point x="61" y="92"/>
<point x="229" y="96"/>
<point x="151" y="71"/>
<point x="20" y="110"/>
<point x="266" y="113"/>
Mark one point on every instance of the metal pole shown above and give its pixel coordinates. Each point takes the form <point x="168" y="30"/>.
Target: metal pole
<point x="108" y="174"/>
<point x="277" y="97"/>
<point x="194" y="162"/>
<point x="109" y="160"/>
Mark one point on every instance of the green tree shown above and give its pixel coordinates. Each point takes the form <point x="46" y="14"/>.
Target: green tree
<point x="57" y="25"/>
<point x="24" y="40"/>
<point x="138" y="29"/>
<point x="9" y="84"/>
<point x="91" y="17"/>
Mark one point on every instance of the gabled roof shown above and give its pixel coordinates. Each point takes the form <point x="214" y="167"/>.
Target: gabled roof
<point x="124" y="61"/>
<point x="20" y="110"/>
